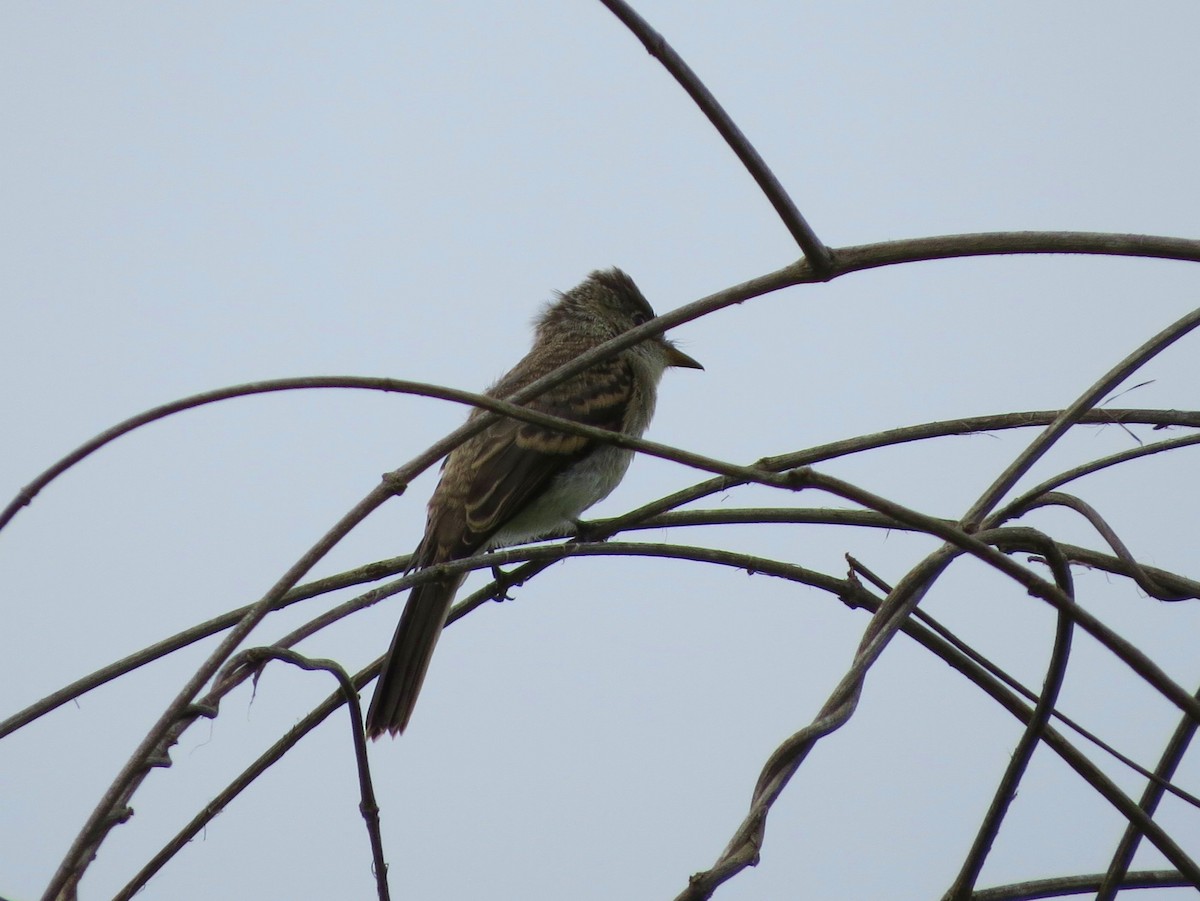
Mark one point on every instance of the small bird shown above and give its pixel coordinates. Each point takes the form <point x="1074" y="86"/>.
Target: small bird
<point x="516" y="481"/>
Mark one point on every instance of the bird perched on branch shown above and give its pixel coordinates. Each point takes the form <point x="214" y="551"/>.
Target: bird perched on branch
<point x="516" y="481"/>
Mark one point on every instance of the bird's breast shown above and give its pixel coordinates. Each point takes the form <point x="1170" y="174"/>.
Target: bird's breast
<point x="575" y="489"/>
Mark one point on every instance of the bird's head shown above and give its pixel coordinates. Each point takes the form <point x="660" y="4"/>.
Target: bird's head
<point x="606" y="304"/>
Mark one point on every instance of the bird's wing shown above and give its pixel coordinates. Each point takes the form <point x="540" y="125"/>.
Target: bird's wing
<point x="491" y="477"/>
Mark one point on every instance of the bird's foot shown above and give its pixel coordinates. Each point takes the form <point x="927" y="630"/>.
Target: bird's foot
<point x="504" y="581"/>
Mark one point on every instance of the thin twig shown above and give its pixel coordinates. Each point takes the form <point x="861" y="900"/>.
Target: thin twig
<point x="255" y="658"/>
<point x="243" y="781"/>
<point x="975" y="516"/>
<point x="813" y="248"/>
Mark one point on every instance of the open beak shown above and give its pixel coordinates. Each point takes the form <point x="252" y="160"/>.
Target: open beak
<point x="676" y="357"/>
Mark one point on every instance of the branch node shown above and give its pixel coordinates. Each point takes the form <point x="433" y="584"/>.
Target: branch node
<point x="395" y="483"/>
<point x="160" y="761"/>
<point x="118" y="816"/>
<point x="197" y="709"/>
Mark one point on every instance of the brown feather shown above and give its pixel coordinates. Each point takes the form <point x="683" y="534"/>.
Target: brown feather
<point x="408" y="658"/>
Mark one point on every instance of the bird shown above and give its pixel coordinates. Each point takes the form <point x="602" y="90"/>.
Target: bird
<point x="515" y="481"/>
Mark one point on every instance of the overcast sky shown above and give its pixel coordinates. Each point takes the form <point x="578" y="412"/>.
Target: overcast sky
<point x="197" y="195"/>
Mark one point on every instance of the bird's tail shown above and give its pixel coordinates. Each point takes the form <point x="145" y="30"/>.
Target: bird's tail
<point x="408" y="658"/>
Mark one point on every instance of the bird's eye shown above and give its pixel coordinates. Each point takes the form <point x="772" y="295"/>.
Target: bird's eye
<point x="639" y="318"/>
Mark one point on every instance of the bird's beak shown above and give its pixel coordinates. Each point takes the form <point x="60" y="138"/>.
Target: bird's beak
<point x="676" y="357"/>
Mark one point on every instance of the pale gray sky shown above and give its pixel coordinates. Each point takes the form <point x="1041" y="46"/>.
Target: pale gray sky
<point x="199" y="195"/>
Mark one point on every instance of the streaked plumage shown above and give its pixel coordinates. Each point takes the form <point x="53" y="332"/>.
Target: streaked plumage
<point x="515" y="481"/>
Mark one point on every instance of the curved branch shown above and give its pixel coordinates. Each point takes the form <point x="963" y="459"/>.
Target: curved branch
<point x="702" y="885"/>
<point x="1144" y="579"/>
<point x="1061" y="886"/>
<point x="256" y="658"/>
<point x="154" y="748"/>
<point x="982" y="244"/>
<point x="395" y="386"/>
<point x="845" y="261"/>
<point x="243" y="781"/>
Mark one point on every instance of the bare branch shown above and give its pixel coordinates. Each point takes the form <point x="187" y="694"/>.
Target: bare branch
<point x="947" y="247"/>
<point x="814" y="250"/>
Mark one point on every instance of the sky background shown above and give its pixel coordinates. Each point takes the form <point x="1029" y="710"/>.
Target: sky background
<point x="195" y="196"/>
